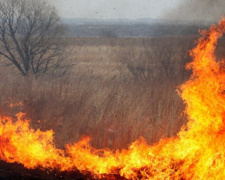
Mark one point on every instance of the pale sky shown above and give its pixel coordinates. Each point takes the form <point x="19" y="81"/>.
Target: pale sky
<point x="114" y="9"/>
<point x="135" y="9"/>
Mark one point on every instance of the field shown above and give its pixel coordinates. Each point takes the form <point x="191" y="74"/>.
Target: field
<point x="116" y="90"/>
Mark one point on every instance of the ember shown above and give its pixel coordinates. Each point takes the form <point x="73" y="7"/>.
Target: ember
<point x="198" y="151"/>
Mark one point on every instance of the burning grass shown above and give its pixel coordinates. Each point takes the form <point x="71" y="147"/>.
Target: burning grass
<point x="113" y="113"/>
<point x="197" y="152"/>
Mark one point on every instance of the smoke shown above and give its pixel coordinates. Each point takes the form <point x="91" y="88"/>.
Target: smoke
<point x="198" y="11"/>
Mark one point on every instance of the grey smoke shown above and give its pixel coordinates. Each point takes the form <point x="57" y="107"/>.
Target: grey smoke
<point x="198" y="10"/>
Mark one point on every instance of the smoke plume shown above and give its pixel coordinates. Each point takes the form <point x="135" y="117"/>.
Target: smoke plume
<point x="198" y="11"/>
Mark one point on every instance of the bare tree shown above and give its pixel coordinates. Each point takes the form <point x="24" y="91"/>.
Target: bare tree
<point x="30" y="32"/>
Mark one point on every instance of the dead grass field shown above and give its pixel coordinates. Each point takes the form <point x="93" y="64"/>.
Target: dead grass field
<point x="116" y="91"/>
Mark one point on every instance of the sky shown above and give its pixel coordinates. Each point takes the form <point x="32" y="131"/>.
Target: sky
<point x="113" y="9"/>
<point x="190" y="10"/>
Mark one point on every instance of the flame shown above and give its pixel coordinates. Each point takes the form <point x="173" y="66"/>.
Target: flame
<point x="198" y="151"/>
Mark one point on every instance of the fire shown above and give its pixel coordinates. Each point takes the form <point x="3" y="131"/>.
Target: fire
<point x="198" y="151"/>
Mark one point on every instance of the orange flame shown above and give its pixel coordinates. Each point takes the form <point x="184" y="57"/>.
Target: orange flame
<point x="198" y="151"/>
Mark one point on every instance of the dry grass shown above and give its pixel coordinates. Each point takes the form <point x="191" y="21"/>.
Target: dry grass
<point x="101" y="97"/>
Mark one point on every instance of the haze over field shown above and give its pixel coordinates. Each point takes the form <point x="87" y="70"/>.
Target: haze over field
<point x="144" y="18"/>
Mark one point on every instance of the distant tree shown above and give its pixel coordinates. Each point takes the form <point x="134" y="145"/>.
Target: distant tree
<point x="30" y="32"/>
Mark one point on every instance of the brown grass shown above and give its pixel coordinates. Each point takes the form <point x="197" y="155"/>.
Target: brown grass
<point x="101" y="97"/>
